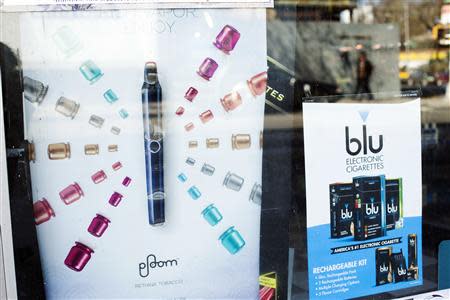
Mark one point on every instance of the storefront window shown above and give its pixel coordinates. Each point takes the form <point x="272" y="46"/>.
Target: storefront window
<point x="224" y="149"/>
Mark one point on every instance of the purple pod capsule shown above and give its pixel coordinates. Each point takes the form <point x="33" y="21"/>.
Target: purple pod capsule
<point x="71" y="193"/>
<point x="126" y="181"/>
<point x="98" y="176"/>
<point x="79" y="255"/>
<point x="227" y="39"/>
<point x="191" y="93"/>
<point x="98" y="225"/>
<point x="115" y="199"/>
<point x="207" y="68"/>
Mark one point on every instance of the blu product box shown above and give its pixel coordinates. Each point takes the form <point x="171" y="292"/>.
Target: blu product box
<point x="399" y="266"/>
<point x="383" y="265"/>
<point x="370" y="207"/>
<point x="341" y="209"/>
<point x="394" y="203"/>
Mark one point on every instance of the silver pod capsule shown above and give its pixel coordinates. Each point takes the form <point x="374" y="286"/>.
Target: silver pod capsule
<point x="34" y="90"/>
<point x="256" y="194"/>
<point x="207" y="169"/>
<point x="67" y="107"/>
<point x="96" y="121"/>
<point x="233" y="181"/>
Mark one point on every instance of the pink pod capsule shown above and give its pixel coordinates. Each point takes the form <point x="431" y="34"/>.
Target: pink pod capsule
<point x="206" y="116"/>
<point x="42" y="211"/>
<point x="115" y="199"/>
<point x="227" y="39"/>
<point x="117" y="165"/>
<point x="190" y="94"/>
<point x="231" y="101"/>
<point x="71" y="193"/>
<point x="98" y="225"/>
<point x="207" y="68"/>
<point x="79" y="255"/>
<point x="179" y="111"/>
<point x="126" y="181"/>
<point x="189" y="126"/>
<point x="257" y="84"/>
<point x="98" y="176"/>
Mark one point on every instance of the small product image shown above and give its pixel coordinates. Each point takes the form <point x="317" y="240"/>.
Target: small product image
<point x="194" y="192"/>
<point x="42" y="211"/>
<point x="115" y="199"/>
<point x="78" y="257"/>
<point x="34" y="90"/>
<point x="383" y="265"/>
<point x="96" y="121"/>
<point x="232" y="240"/>
<point x="98" y="225"/>
<point x="257" y="84"/>
<point x="227" y="39"/>
<point x="370" y="207"/>
<point x="71" y="193"/>
<point x="212" y="215"/>
<point x="231" y="101"/>
<point x="67" y="41"/>
<point x="342" y="205"/>
<point x="241" y="141"/>
<point x="191" y="93"/>
<point x="91" y="149"/>
<point x="90" y="71"/>
<point x="412" y="251"/>
<point x="394" y="203"/>
<point x="98" y="176"/>
<point x="110" y="96"/>
<point x="256" y="194"/>
<point x="212" y="143"/>
<point x="207" y="68"/>
<point x="126" y="181"/>
<point x="233" y="182"/>
<point x="67" y="107"/>
<point x="58" y="151"/>
<point x="399" y="266"/>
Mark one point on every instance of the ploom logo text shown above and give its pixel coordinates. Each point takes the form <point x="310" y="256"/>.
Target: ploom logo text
<point x="153" y="263"/>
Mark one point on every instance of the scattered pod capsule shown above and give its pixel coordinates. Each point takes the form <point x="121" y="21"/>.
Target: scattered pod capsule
<point x="78" y="257"/>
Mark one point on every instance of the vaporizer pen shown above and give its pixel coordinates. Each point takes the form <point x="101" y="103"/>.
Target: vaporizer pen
<point x="153" y="141"/>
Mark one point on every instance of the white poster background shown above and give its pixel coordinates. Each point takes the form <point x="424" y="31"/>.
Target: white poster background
<point x="120" y="42"/>
<point x="326" y="156"/>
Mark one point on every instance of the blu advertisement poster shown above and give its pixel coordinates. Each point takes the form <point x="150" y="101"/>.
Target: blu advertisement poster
<point x="363" y="164"/>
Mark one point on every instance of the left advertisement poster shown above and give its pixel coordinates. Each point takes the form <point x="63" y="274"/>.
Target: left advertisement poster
<point x="364" y="203"/>
<point x="147" y="130"/>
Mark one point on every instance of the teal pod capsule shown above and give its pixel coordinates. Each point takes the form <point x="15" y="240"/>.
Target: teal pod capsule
<point x="232" y="240"/>
<point x="182" y="177"/>
<point x="91" y="71"/>
<point x="194" y="192"/>
<point x="110" y="96"/>
<point x="212" y="215"/>
<point x="67" y="41"/>
<point x="123" y="113"/>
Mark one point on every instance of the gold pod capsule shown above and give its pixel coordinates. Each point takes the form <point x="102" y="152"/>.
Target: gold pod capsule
<point x="31" y="152"/>
<point x="58" y="151"/>
<point x="241" y="141"/>
<point x="91" y="149"/>
<point x="212" y="143"/>
<point x="113" y="148"/>
<point x="193" y="144"/>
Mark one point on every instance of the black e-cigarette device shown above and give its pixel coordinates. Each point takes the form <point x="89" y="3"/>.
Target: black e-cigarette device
<point x="153" y="141"/>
